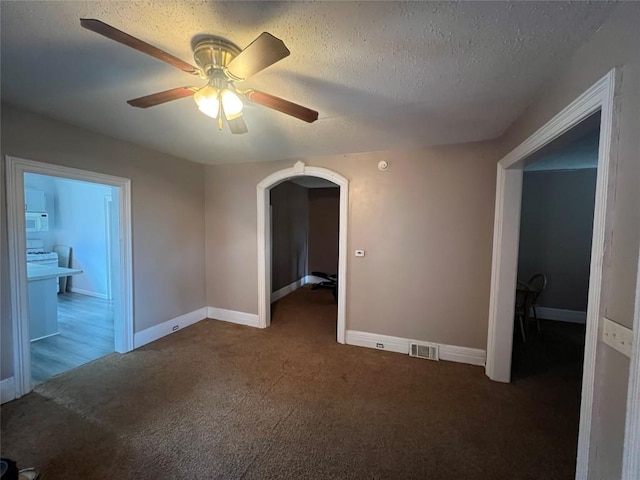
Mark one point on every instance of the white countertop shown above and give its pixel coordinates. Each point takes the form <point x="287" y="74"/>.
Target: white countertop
<point x="43" y="272"/>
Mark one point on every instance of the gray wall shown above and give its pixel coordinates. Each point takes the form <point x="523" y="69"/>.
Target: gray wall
<point x="615" y="44"/>
<point x="426" y="224"/>
<point x="289" y="227"/>
<point x="556" y="227"/>
<point x="324" y="229"/>
<point x="167" y="212"/>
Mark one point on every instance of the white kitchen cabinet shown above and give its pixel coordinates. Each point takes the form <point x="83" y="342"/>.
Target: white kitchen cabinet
<point x="35" y="200"/>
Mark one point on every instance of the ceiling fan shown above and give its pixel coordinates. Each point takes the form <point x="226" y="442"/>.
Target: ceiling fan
<point x="222" y="64"/>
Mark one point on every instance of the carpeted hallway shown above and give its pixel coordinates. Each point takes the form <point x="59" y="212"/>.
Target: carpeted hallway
<point x="218" y="400"/>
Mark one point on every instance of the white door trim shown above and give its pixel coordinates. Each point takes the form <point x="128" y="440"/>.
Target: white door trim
<point x="264" y="240"/>
<point x="16" y="168"/>
<point x="601" y="96"/>
<point x="631" y="453"/>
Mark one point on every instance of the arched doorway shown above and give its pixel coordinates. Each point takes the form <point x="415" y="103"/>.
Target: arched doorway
<point x="264" y="240"/>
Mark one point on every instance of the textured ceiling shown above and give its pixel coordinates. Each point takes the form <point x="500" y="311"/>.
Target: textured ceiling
<point x="383" y="75"/>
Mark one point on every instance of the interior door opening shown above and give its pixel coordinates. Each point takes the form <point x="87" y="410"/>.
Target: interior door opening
<point x="71" y="317"/>
<point x="305" y="223"/>
<point x="554" y="256"/>
<point x="80" y="245"/>
<point x="599" y="98"/>
<point x="264" y="213"/>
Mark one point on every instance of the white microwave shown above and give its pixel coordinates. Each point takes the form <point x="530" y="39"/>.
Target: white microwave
<point x="37" y="222"/>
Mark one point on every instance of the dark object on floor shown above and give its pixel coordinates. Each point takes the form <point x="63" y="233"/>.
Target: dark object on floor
<point x="8" y="469"/>
<point x="330" y="282"/>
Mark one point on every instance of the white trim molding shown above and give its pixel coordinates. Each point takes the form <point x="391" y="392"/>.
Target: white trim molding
<point x="89" y="293"/>
<point x="232" y="316"/>
<point x="631" y="451"/>
<point x="123" y="314"/>
<point x="7" y="390"/>
<point x="287" y="289"/>
<point x="264" y="239"/>
<point x="163" y="329"/>
<point x="601" y="96"/>
<point x="561" y="315"/>
<point x="293" y="286"/>
<point x="451" y="353"/>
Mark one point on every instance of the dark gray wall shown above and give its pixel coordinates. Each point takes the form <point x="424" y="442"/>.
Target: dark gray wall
<point x="555" y="234"/>
<point x="289" y="227"/>
<point x="324" y="229"/>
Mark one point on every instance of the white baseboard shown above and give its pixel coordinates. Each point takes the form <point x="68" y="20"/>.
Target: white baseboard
<point x="561" y="315"/>
<point x="231" y="316"/>
<point x="451" y="353"/>
<point x="7" y="390"/>
<point x="286" y="290"/>
<point x="292" y="287"/>
<point x="45" y="336"/>
<point x="89" y="293"/>
<point x="379" y="342"/>
<point x="472" y="356"/>
<point x="313" y="279"/>
<point x="163" y="329"/>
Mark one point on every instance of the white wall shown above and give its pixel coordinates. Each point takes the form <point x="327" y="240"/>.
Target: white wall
<point x="81" y="224"/>
<point x="44" y="184"/>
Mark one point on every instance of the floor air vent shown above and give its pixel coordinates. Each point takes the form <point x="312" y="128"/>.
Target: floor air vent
<point x="424" y="350"/>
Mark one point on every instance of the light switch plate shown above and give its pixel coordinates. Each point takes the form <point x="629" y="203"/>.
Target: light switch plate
<point x="359" y="253"/>
<point x="617" y="336"/>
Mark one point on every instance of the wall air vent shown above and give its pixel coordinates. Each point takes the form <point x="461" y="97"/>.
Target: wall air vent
<point x="424" y="350"/>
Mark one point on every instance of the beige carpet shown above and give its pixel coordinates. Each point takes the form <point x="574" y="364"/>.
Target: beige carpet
<point x="218" y="400"/>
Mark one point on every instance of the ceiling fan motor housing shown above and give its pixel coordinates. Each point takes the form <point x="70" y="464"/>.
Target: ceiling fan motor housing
<point x="213" y="54"/>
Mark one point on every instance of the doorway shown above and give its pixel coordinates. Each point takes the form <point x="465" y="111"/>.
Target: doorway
<point x="600" y="97"/>
<point x="76" y="325"/>
<point x="556" y="225"/>
<point x="305" y="223"/>
<point x="265" y="245"/>
<point x="120" y="262"/>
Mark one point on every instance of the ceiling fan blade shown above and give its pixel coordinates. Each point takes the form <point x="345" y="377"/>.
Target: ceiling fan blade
<point x="119" y="36"/>
<point x="282" y="105"/>
<point x="237" y="125"/>
<point x="162" y="97"/>
<point x="261" y="53"/>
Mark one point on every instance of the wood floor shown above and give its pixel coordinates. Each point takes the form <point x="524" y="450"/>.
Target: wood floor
<point x="86" y="333"/>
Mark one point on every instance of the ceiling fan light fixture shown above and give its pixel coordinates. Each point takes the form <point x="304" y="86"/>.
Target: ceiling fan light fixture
<point x="231" y="103"/>
<point x="207" y="100"/>
<point x="222" y="64"/>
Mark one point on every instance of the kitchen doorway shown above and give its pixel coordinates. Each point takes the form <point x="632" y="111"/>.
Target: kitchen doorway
<point x="76" y="325"/>
<point x="34" y="287"/>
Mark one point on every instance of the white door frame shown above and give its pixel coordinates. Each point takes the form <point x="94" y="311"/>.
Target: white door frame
<point x="601" y="96"/>
<point x="264" y="240"/>
<point x="108" y="212"/>
<point x="631" y="452"/>
<point x="16" y="168"/>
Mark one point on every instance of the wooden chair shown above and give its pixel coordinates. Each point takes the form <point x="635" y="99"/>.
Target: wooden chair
<point x="536" y="284"/>
<point x="522" y="294"/>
